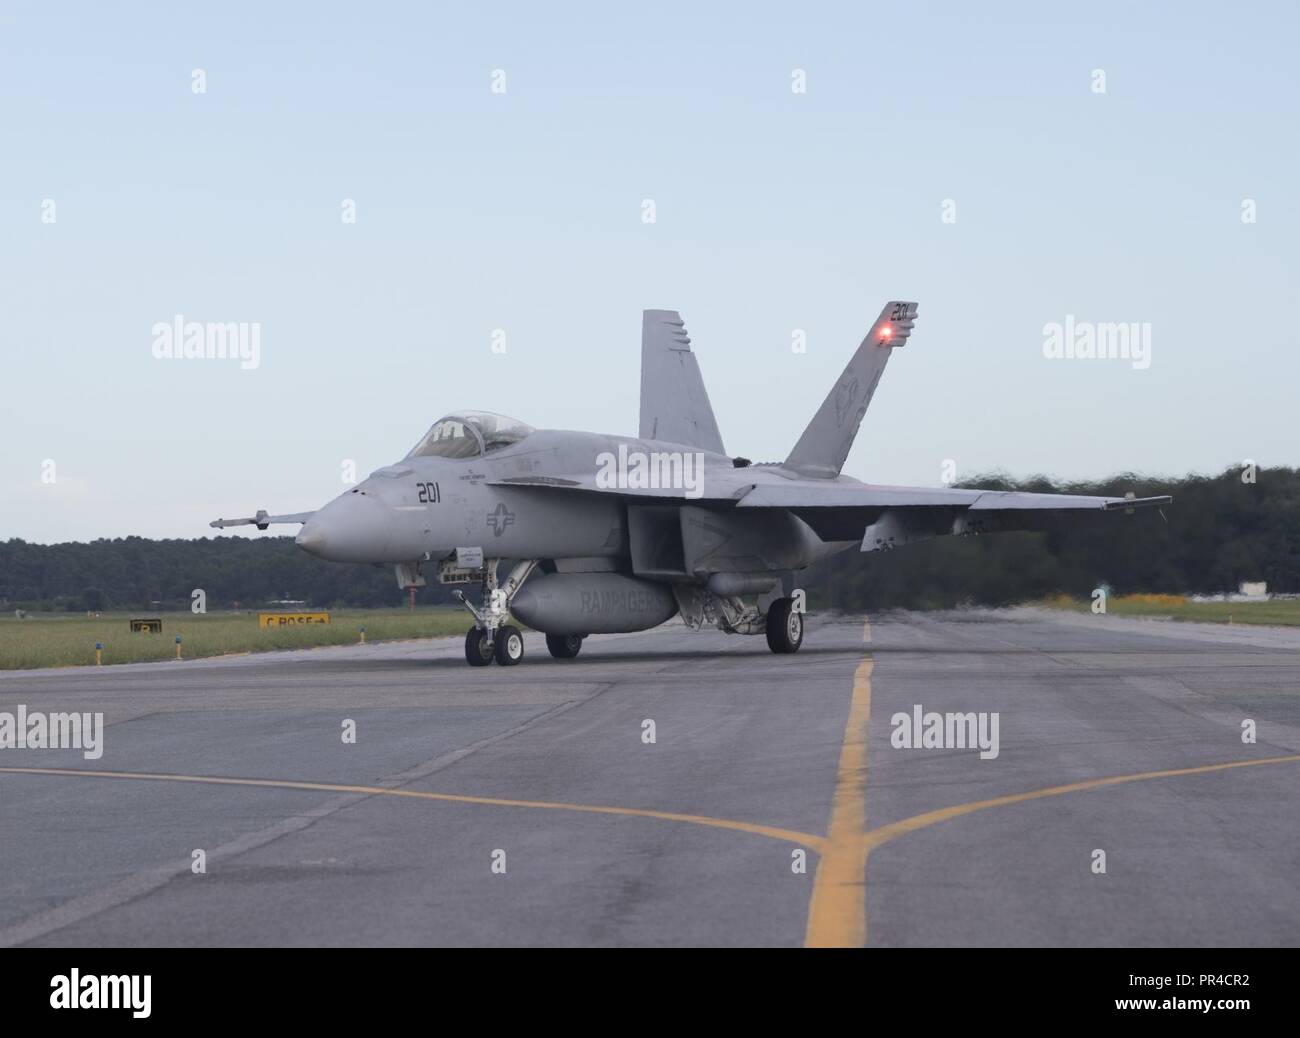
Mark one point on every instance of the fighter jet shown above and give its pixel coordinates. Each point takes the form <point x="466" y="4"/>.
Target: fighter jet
<point x="615" y="533"/>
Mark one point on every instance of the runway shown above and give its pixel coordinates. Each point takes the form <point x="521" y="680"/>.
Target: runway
<point x="528" y="806"/>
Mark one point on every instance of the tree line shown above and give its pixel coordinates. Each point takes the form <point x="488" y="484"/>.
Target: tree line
<point x="1221" y="530"/>
<point x="138" y="573"/>
<point x="1242" y="524"/>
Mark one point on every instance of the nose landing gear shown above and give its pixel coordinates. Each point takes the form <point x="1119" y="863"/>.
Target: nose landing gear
<point x="491" y="637"/>
<point x="510" y="646"/>
<point x="478" y="648"/>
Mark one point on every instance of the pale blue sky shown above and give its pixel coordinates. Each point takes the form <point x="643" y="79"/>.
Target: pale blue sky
<point x="522" y="211"/>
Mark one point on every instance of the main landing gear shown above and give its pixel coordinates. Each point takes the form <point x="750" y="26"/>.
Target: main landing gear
<point x="784" y="626"/>
<point x="491" y="638"/>
<point x="564" y="646"/>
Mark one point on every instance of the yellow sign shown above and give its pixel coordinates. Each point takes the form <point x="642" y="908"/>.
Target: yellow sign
<point x="291" y="619"/>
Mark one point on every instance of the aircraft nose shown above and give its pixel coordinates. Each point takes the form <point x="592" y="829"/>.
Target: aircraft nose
<point x="311" y="538"/>
<point x="351" y="528"/>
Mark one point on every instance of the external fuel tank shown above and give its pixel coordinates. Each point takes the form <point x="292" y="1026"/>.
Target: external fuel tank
<point x="592" y="603"/>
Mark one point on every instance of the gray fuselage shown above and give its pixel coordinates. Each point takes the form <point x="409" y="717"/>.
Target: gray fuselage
<point x="427" y="507"/>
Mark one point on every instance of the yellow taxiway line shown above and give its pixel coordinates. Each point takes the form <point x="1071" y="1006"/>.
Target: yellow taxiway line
<point x="837" y="913"/>
<point x="884" y="833"/>
<point x="772" y="832"/>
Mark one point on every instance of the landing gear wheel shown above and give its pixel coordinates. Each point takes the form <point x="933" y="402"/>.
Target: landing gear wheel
<point x="784" y="626"/>
<point x="564" y="646"/>
<point x="510" y="646"/>
<point x="478" y="653"/>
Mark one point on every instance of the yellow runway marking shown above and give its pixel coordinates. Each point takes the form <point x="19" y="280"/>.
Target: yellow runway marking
<point x="837" y="916"/>
<point x="772" y="832"/>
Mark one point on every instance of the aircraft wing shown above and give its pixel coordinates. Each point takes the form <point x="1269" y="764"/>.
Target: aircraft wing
<point x="262" y="520"/>
<point x="738" y="487"/>
<point x="721" y="490"/>
<point x="885" y="517"/>
<point x="807" y="494"/>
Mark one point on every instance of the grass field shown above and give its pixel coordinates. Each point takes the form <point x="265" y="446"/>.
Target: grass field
<point x="53" y="640"/>
<point x="1279" y="613"/>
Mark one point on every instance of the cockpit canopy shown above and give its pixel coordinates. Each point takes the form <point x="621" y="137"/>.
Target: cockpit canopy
<point x="469" y="434"/>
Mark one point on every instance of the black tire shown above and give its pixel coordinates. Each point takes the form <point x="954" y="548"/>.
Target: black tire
<point x="564" y="646"/>
<point x="477" y="653"/>
<point x="784" y="626"/>
<point x="509" y="648"/>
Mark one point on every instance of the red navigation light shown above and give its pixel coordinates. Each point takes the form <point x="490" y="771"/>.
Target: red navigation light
<point x="886" y="332"/>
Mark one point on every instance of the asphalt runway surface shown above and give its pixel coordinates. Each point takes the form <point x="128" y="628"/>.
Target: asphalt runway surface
<point x="525" y="806"/>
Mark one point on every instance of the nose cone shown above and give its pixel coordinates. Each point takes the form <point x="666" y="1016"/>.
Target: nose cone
<point x="352" y="528"/>
<point x="311" y="538"/>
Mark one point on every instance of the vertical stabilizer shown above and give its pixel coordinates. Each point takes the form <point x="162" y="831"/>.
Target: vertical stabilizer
<point x="674" y="403"/>
<point x="825" y="444"/>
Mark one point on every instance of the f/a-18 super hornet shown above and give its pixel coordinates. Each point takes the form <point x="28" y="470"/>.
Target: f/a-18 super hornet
<point x="620" y="533"/>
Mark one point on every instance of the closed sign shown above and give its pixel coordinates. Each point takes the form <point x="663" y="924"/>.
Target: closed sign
<point x="291" y="619"/>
